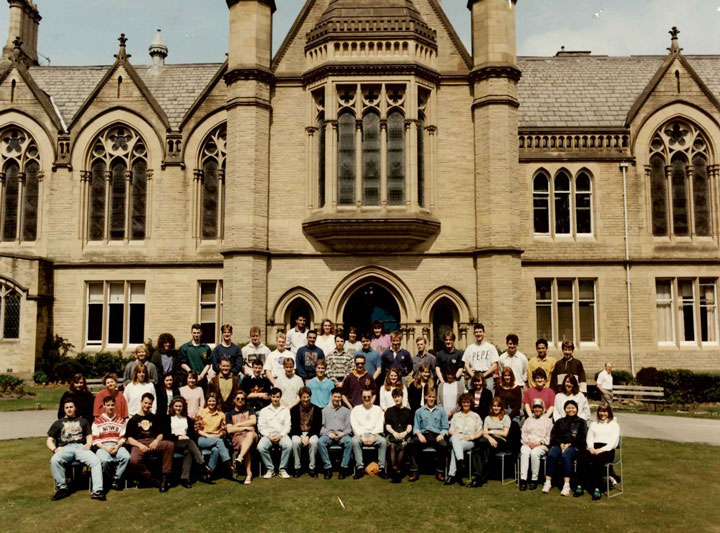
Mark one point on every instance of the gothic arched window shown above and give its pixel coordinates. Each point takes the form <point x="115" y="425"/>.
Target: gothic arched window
<point x="541" y="203"/>
<point x="117" y="195"/>
<point x="346" y="158"/>
<point x="371" y="145"/>
<point x="396" y="158"/>
<point x="19" y="185"/>
<point x="9" y="312"/>
<point x="679" y="181"/>
<point x="211" y="186"/>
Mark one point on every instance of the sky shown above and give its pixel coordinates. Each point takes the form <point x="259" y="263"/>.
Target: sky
<point x="84" y="32"/>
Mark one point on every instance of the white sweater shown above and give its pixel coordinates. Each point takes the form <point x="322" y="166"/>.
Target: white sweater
<point x="603" y="432"/>
<point x="386" y="399"/>
<point x="274" y="421"/>
<point x="561" y="398"/>
<point x="133" y="396"/>
<point x="367" y="421"/>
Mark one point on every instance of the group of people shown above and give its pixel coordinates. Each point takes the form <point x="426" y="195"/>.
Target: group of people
<point x="322" y="392"/>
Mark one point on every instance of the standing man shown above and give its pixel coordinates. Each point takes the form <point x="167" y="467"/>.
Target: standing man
<point x="307" y="357"/>
<point x="225" y="385"/>
<point x="108" y="432"/>
<point x="356" y="382"/>
<point x="228" y="349"/>
<point x="373" y="361"/>
<point x="274" y="363"/>
<point x="321" y="386"/>
<point x="145" y="436"/>
<point x="423" y="357"/>
<point x="195" y="355"/>
<point x="257" y="387"/>
<point x="255" y="349"/>
<point x="604" y="383"/>
<point x="541" y="360"/>
<point x="274" y="426"/>
<point x="397" y="357"/>
<point x="339" y="362"/>
<point x="515" y="359"/>
<point x="69" y="440"/>
<point x="289" y="383"/>
<point x="367" y="426"/>
<point x="336" y="429"/>
<point x="297" y="336"/>
<point x="305" y="426"/>
<point x="482" y="357"/>
<point x="431" y="430"/>
<point x="568" y="365"/>
<point x="448" y="357"/>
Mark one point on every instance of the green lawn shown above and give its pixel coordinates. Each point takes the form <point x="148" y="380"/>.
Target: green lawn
<point x="711" y="411"/>
<point x="669" y="487"/>
<point x="47" y="397"/>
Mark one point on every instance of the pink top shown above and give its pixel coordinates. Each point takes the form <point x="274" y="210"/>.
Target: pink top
<point x="547" y="395"/>
<point x="381" y="343"/>
<point x="194" y="398"/>
<point x="121" y="408"/>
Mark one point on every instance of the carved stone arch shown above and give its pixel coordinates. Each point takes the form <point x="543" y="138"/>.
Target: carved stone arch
<point x="283" y="307"/>
<point x="195" y="138"/>
<point x="458" y="307"/>
<point x="11" y="283"/>
<point x="382" y="277"/>
<point x="42" y="137"/>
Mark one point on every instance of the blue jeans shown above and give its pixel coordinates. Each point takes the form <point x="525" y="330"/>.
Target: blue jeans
<point x="75" y="452"/>
<point x="566" y="458"/>
<point x="264" y="450"/>
<point x="217" y="449"/>
<point x="121" y="457"/>
<point x="381" y="444"/>
<point x="459" y="447"/>
<point x="325" y="441"/>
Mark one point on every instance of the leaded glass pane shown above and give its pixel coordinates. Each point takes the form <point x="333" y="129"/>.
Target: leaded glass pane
<point x="346" y="158"/>
<point x="681" y="224"/>
<point x="701" y="196"/>
<point x="396" y="158"/>
<point x="371" y="159"/>
<point x="562" y="204"/>
<point x="541" y="204"/>
<point x="210" y="200"/>
<point x="30" y="202"/>
<point x="117" y="202"/>
<point x="11" y="327"/>
<point x="139" y="200"/>
<point x="658" y="194"/>
<point x="96" y="219"/>
<point x="10" y="204"/>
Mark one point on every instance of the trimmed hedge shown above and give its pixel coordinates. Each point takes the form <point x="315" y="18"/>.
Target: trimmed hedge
<point x="682" y="386"/>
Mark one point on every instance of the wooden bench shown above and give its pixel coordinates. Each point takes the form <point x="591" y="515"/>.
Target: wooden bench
<point x="654" y="395"/>
<point x="94" y="383"/>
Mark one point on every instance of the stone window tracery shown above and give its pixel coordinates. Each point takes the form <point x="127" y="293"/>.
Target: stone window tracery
<point x="20" y="178"/>
<point x="210" y="184"/>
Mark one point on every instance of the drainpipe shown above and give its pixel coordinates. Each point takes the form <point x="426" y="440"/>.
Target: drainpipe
<point x="624" y="166"/>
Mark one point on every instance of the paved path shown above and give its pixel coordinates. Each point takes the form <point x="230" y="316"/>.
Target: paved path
<point x="25" y="424"/>
<point x="675" y="428"/>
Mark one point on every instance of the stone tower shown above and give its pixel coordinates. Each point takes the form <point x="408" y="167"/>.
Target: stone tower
<point x="249" y="81"/>
<point x="499" y="221"/>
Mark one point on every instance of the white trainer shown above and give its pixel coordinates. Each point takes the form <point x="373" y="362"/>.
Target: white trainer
<point x="565" y="490"/>
<point x="268" y="474"/>
<point x="284" y="474"/>
<point x="547" y="486"/>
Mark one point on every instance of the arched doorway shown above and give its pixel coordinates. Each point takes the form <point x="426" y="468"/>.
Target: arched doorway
<point x="296" y="308"/>
<point x="444" y="318"/>
<point x="371" y="302"/>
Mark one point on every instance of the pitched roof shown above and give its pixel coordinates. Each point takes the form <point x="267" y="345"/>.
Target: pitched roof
<point x="175" y="87"/>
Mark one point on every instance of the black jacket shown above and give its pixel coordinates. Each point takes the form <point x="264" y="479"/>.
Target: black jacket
<point x="156" y="359"/>
<point x="191" y="433"/>
<point x="161" y="399"/>
<point x="84" y="404"/>
<point x="315" y="424"/>
<point x="483" y="407"/>
<point x="569" y="430"/>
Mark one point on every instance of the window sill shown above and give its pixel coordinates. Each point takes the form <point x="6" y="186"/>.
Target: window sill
<point x="381" y="230"/>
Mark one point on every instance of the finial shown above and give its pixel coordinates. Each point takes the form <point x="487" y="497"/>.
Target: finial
<point x="122" y="54"/>
<point x="674" y="46"/>
<point x="17" y="49"/>
<point x="17" y="43"/>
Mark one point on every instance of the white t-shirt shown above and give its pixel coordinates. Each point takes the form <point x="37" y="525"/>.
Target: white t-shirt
<point x="605" y="380"/>
<point x="518" y="363"/>
<point x="480" y="356"/>
<point x="352" y="347"/>
<point x="326" y="343"/>
<point x="178" y="426"/>
<point x="274" y="362"/>
<point x="289" y="388"/>
<point x="294" y="340"/>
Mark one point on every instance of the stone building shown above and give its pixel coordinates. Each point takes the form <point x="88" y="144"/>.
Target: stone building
<point x="372" y="168"/>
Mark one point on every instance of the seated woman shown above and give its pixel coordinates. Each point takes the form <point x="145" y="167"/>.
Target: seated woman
<point x="81" y="396"/>
<point x="495" y="433"/>
<point x="210" y="426"/>
<point x="165" y="392"/>
<point x="419" y="386"/>
<point x="449" y="391"/>
<point x="510" y="393"/>
<point x="194" y="395"/>
<point x="465" y="428"/>
<point x="535" y="439"/>
<point x="481" y="397"/>
<point x="392" y="382"/>
<point x="139" y="385"/>
<point x="183" y="436"/>
<point x="398" y="428"/>
<point x="110" y="381"/>
<point x="240" y="423"/>
<point x="567" y="440"/>
<point x="602" y="438"/>
<point x="571" y="391"/>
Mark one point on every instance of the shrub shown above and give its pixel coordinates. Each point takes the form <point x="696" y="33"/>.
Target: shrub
<point x="683" y="386"/>
<point x="106" y="362"/>
<point x="40" y="377"/>
<point x="12" y="384"/>
<point x="648" y="377"/>
<point x="54" y="354"/>
<point x="621" y="377"/>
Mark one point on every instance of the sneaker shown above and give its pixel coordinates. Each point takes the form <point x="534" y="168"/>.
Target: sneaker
<point x="97" y="495"/>
<point x="596" y="495"/>
<point x="547" y="486"/>
<point x="60" y="494"/>
<point x="613" y="481"/>
<point x="116" y="485"/>
<point x="533" y="484"/>
<point x="565" y="490"/>
<point x="578" y="492"/>
<point x="269" y="474"/>
<point x="284" y="474"/>
<point x="523" y="484"/>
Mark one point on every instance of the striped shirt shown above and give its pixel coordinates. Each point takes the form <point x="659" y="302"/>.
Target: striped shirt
<point x="108" y="430"/>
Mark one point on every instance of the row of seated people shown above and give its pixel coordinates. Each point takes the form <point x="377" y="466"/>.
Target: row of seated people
<point x="306" y="425"/>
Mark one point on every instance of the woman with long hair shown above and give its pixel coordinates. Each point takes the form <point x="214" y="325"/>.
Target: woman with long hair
<point x="184" y="437"/>
<point x="571" y="391"/>
<point x="465" y="428"/>
<point x="419" y="386"/>
<point x="165" y="358"/>
<point x="449" y="391"/>
<point x="165" y="391"/>
<point x="139" y="385"/>
<point x="211" y="432"/>
<point x="326" y="339"/>
<point x="602" y="438"/>
<point x="481" y="396"/>
<point x="194" y="395"/>
<point x="392" y="382"/>
<point x="79" y="393"/>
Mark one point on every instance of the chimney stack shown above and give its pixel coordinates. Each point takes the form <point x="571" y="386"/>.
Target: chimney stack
<point x="158" y="52"/>
<point x="23" y="23"/>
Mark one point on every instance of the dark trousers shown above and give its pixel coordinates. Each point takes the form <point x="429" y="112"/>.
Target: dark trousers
<point x="483" y="452"/>
<point x="566" y="458"/>
<point x="137" y="456"/>
<point x="191" y="453"/>
<point x="592" y="467"/>
<point x="431" y="442"/>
